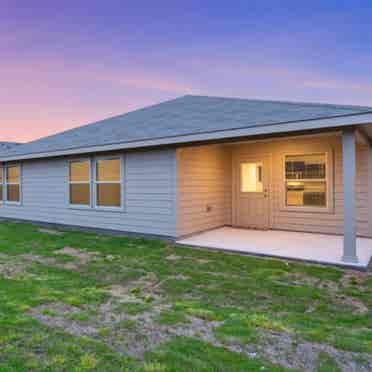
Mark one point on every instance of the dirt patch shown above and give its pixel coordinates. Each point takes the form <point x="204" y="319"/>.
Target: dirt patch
<point x="49" y="261"/>
<point x="202" y="261"/>
<point x="179" y="277"/>
<point x="147" y="333"/>
<point x="50" y="231"/>
<point x="350" y="278"/>
<point x="146" y="288"/>
<point x="283" y="349"/>
<point x="56" y="316"/>
<point x="134" y="335"/>
<point x="358" y="307"/>
<point x="153" y="334"/>
<point x="353" y="278"/>
<point x="300" y="279"/>
<point x="83" y="257"/>
<point x="11" y="267"/>
<point x="173" y="257"/>
<point x="39" y="259"/>
<point x="121" y="293"/>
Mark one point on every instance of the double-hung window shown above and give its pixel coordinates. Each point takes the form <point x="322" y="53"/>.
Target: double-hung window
<point x="96" y="182"/>
<point x="108" y="182"/>
<point x="80" y="182"/>
<point x="12" y="184"/>
<point x="306" y="180"/>
<point x="1" y="184"/>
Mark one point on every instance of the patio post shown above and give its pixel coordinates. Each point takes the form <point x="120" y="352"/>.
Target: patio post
<point x="370" y="189"/>
<point x="349" y="178"/>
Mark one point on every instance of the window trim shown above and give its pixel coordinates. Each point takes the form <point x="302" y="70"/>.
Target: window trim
<point x="5" y="184"/>
<point x="79" y="160"/>
<point x="2" y="167"/>
<point x="92" y="170"/>
<point x="120" y="182"/>
<point x="329" y="179"/>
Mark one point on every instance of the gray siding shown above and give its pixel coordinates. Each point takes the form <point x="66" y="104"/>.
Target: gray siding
<point x="149" y="195"/>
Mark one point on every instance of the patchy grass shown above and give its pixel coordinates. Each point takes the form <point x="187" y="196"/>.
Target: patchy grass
<point x="78" y="301"/>
<point x="172" y="317"/>
<point x="183" y="355"/>
<point x="327" y="364"/>
<point x="132" y="308"/>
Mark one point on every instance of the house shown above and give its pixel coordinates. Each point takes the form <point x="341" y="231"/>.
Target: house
<point x="181" y="168"/>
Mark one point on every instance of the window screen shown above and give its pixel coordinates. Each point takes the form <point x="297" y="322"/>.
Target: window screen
<point x="305" y="180"/>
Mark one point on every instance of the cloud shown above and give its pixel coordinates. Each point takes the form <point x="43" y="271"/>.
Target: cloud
<point x="338" y="84"/>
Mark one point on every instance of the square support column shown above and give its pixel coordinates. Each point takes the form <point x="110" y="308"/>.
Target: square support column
<point x="370" y="190"/>
<point x="349" y="178"/>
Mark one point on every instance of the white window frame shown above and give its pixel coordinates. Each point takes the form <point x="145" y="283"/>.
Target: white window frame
<point x="96" y="183"/>
<point x="329" y="207"/>
<point x="6" y="183"/>
<point x="2" y="171"/>
<point x="69" y="182"/>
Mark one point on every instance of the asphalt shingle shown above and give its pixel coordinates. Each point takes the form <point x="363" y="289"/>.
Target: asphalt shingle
<point x="183" y="116"/>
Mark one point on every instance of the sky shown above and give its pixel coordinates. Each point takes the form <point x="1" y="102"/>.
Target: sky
<point x="68" y="64"/>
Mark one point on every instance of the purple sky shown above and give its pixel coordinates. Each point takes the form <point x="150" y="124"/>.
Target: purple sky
<point x="69" y="64"/>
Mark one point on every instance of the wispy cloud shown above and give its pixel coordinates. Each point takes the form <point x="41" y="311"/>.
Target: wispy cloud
<point x="339" y="84"/>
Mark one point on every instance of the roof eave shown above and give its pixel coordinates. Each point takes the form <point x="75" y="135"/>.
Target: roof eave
<point x="304" y="125"/>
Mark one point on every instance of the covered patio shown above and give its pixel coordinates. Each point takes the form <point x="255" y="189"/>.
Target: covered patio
<point x="311" y="247"/>
<point x="304" y="197"/>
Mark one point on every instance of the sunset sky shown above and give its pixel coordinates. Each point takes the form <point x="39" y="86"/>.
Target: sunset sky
<point x="76" y="62"/>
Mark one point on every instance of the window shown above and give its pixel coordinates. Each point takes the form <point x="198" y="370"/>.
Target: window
<point x="79" y="174"/>
<point x="1" y="184"/>
<point x="13" y="183"/>
<point x="108" y="182"/>
<point x="306" y="180"/>
<point x="251" y="177"/>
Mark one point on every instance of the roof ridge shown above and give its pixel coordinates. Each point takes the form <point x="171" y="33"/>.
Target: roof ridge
<point x="187" y="115"/>
<point x="327" y="104"/>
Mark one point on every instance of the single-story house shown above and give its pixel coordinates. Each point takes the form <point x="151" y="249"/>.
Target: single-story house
<point x="239" y="171"/>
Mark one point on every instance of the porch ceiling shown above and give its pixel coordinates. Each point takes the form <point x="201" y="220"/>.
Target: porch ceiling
<point x="318" y="248"/>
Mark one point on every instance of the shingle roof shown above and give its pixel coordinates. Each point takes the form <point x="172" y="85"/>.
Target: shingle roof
<point x="184" y="116"/>
<point x="7" y="145"/>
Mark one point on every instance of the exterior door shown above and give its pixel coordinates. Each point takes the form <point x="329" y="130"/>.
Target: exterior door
<point x="252" y="181"/>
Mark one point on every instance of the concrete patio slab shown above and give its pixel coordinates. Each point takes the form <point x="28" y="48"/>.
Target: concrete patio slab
<point x="317" y="248"/>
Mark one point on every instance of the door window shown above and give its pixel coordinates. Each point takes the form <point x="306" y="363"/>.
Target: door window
<point x="251" y="174"/>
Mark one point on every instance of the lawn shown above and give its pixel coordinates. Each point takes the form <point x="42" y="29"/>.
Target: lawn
<point x="73" y="301"/>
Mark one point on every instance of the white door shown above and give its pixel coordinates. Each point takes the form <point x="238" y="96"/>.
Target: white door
<point x="252" y="180"/>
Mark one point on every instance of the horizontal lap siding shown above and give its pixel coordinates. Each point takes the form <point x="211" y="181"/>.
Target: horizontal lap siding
<point x="149" y="195"/>
<point x="204" y="179"/>
<point x="313" y="222"/>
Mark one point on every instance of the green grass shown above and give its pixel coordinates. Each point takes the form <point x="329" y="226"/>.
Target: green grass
<point x="172" y="317"/>
<point x="246" y="297"/>
<point x="133" y="308"/>
<point x="327" y="364"/>
<point x="184" y="355"/>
